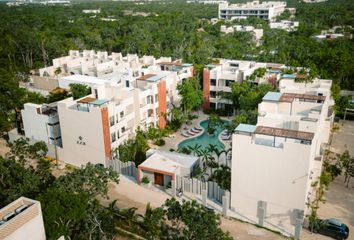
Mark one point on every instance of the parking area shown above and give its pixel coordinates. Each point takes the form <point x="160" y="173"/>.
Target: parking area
<point x="339" y="199"/>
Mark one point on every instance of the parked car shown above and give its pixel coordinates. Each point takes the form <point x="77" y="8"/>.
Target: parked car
<point x="333" y="228"/>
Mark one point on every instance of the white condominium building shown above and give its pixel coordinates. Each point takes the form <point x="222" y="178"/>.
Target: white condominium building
<point x="264" y="10"/>
<point x="130" y="92"/>
<point x="22" y="219"/>
<point x="276" y="163"/>
<point x="218" y="78"/>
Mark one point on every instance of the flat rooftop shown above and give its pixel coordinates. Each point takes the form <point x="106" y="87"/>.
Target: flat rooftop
<point x="16" y="214"/>
<point x="257" y="4"/>
<point x="84" y="79"/>
<point x="168" y="161"/>
<point x="289" y="97"/>
<point x="285" y="133"/>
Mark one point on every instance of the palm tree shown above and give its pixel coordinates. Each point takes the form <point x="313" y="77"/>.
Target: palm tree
<point x="205" y="155"/>
<point x="195" y="149"/>
<point x="113" y="210"/>
<point x="226" y="154"/>
<point x="222" y="176"/>
<point x="218" y="153"/>
<point x="212" y="148"/>
<point x="129" y="216"/>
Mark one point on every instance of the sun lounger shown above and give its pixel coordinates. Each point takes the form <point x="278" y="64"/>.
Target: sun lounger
<point x="223" y="137"/>
<point x="195" y="130"/>
<point x="184" y="134"/>
<point x="190" y="133"/>
<point x="198" y="128"/>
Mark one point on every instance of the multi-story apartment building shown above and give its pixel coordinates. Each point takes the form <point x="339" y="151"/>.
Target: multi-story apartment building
<point x="22" y="219"/>
<point x="218" y="78"/>
<point x="264" y="10"/>
<point x="127" y="93"/>
<point x="276" y="163"/>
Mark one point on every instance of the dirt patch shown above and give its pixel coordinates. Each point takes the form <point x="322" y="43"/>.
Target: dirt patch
<point x="3" y="147"/>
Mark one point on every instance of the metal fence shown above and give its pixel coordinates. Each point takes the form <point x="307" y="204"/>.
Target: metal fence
<point x="125" y="168"/>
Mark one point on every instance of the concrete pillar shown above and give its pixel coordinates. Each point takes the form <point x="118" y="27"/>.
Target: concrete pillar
<point x="261" y="215"/>
<point x="173" y="186"/>
<point x="225" y="204"/>
<point x="204" y="197"/>
<point x="261" y="212"/>
<point x="298" y="227"/>
<point x="227" y="195"/>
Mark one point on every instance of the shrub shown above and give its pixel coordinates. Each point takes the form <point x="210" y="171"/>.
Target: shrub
<point x="145" y="180"/>
<point x="160" y="142"/>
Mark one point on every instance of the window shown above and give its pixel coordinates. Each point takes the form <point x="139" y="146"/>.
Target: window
<point x="156" y="99"/>
<point x="123" y="129"/>
<point x="121" y="114"/>
<point x="212" y="94"/>
<point x="117" y="117"/>
<point x="113" y="137"/>
<point x="118" y="134"/>
<point x="228" y="83"/>
<point x="127" y="83"/>
<point x="150" y="99"/>
<point x="213" y="82"/>
<point x="111" y="120"/>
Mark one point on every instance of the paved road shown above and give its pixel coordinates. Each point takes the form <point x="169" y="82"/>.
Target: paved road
<point x="339" y="199"/>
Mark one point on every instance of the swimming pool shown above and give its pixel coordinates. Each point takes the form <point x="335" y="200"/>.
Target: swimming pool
<point x="205" y="138"/>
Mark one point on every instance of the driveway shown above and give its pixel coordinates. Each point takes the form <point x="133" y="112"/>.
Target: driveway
<point x="339" y="199"/>
<point x="129" y="194"/>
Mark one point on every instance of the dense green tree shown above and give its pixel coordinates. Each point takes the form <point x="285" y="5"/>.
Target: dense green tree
<point x="134" y="149"/>
<point x="89" y="179"/>
<point x="191" y="94"/>
<point x="63" y="212"/>
<point x="222" y="176"/>
<point x="346" y="163"/>
<point x="214" y="121"/>
<point x="79" y="90"/>
<point x="190" y="220"/>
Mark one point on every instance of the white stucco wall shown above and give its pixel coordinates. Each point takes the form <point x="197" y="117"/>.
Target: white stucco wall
<point x="36" y="125"/>
<point x="88" y="125"/>
<point x="278" y="176"/>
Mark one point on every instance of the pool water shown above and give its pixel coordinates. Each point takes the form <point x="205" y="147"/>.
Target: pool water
<point x="205" y="138"/>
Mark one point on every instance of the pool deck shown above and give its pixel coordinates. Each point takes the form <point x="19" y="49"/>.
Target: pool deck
<point x="176" y="138"/>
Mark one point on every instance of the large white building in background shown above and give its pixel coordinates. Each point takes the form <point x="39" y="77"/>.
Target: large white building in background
<point x="264" y="10"/>
<point x="22" y="219"/>
<point x="276" y="162"/>
<point x="127" y="92"/>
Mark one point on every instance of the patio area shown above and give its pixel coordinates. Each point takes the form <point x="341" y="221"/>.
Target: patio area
<point x="176" y="138"/>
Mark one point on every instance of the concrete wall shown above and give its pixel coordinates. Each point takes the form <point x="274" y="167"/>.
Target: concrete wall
<point x="36" y="125"/>
<point x="278" y="176"/>
<point x="88" y="126"/>
<point x="44" y="83"/>
<point x="149" y="175"/>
